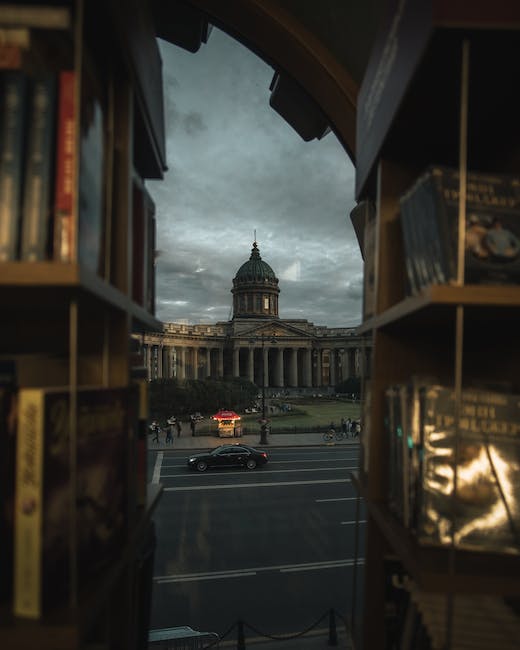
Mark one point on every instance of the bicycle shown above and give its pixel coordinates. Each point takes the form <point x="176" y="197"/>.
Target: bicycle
<point x="333" y="435"/>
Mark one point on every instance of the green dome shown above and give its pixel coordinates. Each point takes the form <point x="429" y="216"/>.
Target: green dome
<point x="255" y="269"/>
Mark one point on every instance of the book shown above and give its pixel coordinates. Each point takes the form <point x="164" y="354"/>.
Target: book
<point x="39" y="168"/>
<point x="66" y="161"/>
<point x="8" y="414"/>
<point x="370" y="258"/>
<point x="492" y="227"/>
<point x="91" y="202"/>
<point x="13" y="89"/>
<point x="470" y="477"/>
<point x="71" y="505"/>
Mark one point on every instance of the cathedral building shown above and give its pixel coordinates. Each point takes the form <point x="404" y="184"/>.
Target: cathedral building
<point x="292" y="354"/>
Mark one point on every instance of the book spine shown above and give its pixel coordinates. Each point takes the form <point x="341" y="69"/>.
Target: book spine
<point x="29" y="504"/>
<point x="13" y="94"/>
<point x="36" y="204"/>
<point x="64" y="211"/>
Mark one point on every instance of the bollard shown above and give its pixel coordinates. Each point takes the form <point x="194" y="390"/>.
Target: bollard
<point x="241" y="643"/>
<point x="333" y="637"/>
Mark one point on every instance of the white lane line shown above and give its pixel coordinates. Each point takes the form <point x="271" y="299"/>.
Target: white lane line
<point x="157" y="468"/>
<point x="236" y="486"/>
<point x="264" y="471"/>
<point x="336" y="499"/>
<point x="347" y="523"/>
<point x="251" y="571"/>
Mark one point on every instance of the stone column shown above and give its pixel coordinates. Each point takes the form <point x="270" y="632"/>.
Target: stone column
<point x="195" y="363"/>
<point x="319" y="377"/>
<point x="266" y="365"/>
<point x="220" y="373"/>
<point x="307" y="369"/>
<point x="251" y="364"/>
<point x="159" y="361"/>
<point x="332" y="367"/>
<point x="182" y="363"/>
<point x="293" y="368"/>
<point x="236" y="362"/>
<point x="278" y="369"/>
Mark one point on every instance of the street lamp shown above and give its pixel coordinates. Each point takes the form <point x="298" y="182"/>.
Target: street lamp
<point x="263" y="422"/>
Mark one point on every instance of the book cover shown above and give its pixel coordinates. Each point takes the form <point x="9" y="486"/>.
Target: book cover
<point x="91" y="177"/>
<point x="470" y="479"/>
<point x="8" y="414"/>
<point x="70" y="519"/>
<point x="38" y="172"/>
<point x="370" y="262"/>
<point x="492" y="226"/>
<point x="65" y="183"/>
<point x="13" y="90"/>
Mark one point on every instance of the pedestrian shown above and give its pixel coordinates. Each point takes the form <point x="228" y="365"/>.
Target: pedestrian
<point x="353" y="428"/>
<point x="178" y="427"/>
<point x="192" y="425"/>
<point x="344" y="426"/>
<point x="169" y="437"/>
<point x="332" y="429"/>
<point x="347" y="426"/>
<point x="155" y="428"/>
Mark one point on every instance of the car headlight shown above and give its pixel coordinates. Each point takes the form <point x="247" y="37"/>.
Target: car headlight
<point x="192" y="460"/>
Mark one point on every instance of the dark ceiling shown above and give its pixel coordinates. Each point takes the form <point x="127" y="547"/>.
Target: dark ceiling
<point x="322" y="45"/>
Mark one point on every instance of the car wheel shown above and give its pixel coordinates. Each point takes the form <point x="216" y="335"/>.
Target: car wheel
<point x="202" y="466"/>
<point x="251" y="463"/>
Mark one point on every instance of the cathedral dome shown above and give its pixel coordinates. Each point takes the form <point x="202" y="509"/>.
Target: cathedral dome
<point x="255" y="269"/>
<point x="255" y="289"/>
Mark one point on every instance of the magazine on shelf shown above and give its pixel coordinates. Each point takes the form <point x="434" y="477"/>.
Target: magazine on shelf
<point x="430" y="219"/>
<point x="482" y="459"/>
<point x="55" y="504"/>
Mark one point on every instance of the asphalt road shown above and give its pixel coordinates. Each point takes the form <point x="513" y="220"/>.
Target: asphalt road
<point x="274" y="546"/>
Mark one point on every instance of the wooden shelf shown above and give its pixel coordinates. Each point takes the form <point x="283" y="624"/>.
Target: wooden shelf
<point x="475" y="572"/>
<point x="50" y="283"/>
<point x="436" y="297"/>
<point x="64" y="629"/>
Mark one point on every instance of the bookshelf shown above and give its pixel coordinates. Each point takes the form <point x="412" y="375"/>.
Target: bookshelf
<point x="85" y="79"/>
<point x="435" y="93"/>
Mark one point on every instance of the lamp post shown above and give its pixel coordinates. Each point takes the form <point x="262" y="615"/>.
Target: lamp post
<point x="263" y="421"/>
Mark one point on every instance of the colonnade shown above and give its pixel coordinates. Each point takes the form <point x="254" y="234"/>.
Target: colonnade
<point x="282" y="365"/>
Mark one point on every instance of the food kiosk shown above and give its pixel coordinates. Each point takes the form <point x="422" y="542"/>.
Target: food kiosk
<point x="228" y="424"/>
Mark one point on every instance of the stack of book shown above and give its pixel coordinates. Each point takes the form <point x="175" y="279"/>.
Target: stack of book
<point x="69" y="493"/>
<point x="430" y="215"/>
<point x="454" y="471"/>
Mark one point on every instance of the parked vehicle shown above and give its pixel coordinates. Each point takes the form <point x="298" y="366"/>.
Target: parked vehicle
<point x="228" y="456"/>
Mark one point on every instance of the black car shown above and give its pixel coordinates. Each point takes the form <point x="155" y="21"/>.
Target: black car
<point x="228" y="456"/>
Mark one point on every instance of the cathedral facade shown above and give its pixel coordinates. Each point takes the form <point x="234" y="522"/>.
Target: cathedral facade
<point x="256" y="344"/>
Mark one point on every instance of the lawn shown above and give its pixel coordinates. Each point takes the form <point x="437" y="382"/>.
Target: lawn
<point x="309" y="414"/>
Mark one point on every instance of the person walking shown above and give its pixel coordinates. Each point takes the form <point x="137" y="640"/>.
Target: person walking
<point x="169" y="436"/>
<point x="155" y="428"/>
<point x="344" y="426"/>
<point x="178" y="427"/>
<point x="192" y="425"/>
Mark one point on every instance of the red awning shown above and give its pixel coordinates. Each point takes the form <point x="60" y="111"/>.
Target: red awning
<point x="225" y="415"/>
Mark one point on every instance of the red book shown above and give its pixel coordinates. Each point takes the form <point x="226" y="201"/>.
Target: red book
<point x="64" y="221"/>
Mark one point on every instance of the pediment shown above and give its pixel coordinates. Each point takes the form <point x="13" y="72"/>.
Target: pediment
<point x="274" y="329"/>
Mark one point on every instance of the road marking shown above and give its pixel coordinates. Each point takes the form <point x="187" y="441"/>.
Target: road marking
<point x="236" y="486"/>
<point x="336" y="499"/>
<point x="251" y="571"/>
<point x="264" y="471"/>
<point x="346" y="523"/>
<point x="157" y="468"/>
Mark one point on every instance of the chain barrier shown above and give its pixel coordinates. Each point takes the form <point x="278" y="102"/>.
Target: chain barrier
<point x="240" y="625"/>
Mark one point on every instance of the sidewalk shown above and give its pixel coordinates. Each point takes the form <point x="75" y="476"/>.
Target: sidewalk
<point x="187" y="441"/>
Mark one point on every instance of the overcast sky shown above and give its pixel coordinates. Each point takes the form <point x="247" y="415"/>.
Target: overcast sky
<point x="235" y="166"/>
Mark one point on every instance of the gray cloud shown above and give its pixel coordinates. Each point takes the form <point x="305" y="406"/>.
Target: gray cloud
<point x="236" y="166"/>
